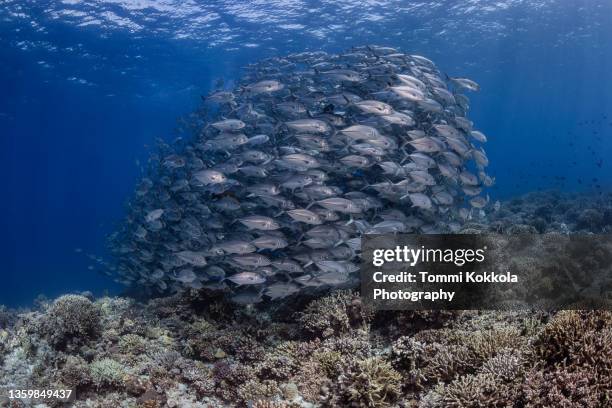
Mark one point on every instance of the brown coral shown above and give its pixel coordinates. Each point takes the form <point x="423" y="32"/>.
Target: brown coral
<point x="71" y="319"/>
<point x="257" y="390"/>
<point x="564" y="388"/>
<point x="75" y="372"/>
<point x="478" y="391"/>
<point x="262" y="403"/>
<point x="334" y="314"/>
<point x="367" y="383"/>
<point x="563" y="338"/>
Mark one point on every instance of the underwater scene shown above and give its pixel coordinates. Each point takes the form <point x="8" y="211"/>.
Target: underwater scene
<point x="190" y="186"/>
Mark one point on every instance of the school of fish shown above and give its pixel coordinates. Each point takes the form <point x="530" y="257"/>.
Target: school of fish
<point x="293" y="166"/>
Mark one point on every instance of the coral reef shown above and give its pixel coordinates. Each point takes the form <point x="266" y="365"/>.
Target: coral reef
<point x="548" y="211"/>
<point x="371" y="382"/>
<point x="333" y="315"/>
<point x="71" y="319"/>
<point x="198" y="357"/>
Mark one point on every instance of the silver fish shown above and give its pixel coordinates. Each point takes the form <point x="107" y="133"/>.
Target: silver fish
<point x="299" y="161"/>
<point x="186" y="276"/>
<point x="420" y="200"/>
<point x="193" y="258"/>
<point x="333" y="278"/>
<point x="426" y="145"/>
<point x="207" y="177"/>
<point x="374" y="107"/>
<point x="290" y="168"/>
<point x="235" y="247"/>
<point x="361" y="132"/>
<point x="408" y="92"/>
<point x="154" y="215"/>
<point x="251" y="260"/>
<point x="260" y="222"/>
<point x="345" y="75"/>
<point x="309" y="126"/>
<point x="281" y="290"/>
<point x="305" y="216"/>
<point x="340" y="205"/>
<point x="265" y="86"/>
<point x="355" y="161"/>
<point x="465" y="83"/>
<point x="270" y="242"/>
<point x="479" y="136"/>
<point x="231" y="125"/>
<point x="247" y="278"/>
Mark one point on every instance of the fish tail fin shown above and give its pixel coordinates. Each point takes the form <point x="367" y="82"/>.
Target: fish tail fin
<point x="277" y="126"/>
<point x="406" y="154"/>
<point x="348" y="101"/>
<point x="299" y="240"/>
<point x="368" y="185"/>
<point x="348" y="145"/>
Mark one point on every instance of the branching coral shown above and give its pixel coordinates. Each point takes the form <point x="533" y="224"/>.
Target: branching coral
<point x="477" y="391"/>
<point x="441" y="356"/>
<point x="262" y="403"/>
<point x="310" y="380"/>
<point x="257" y="390"/>
<point x="71" y="319"/>
<point x="506" y="365"/>
<point x="564" y="387"/>
<point x="485" y="344"/>
<point x="575" y="348"/>
<point x="132" y="344"/>
<point x="276" y="367"/>
<point x="107" y="373"/>
<point x="356" y="344"/>
<point x="412" y="321"/>
<point x="563" y="337"/>
<point x="334" y="314"/>
<point x="75" y="373"/>
<point x="371" y="382"/>
<point x="478" y="359"/>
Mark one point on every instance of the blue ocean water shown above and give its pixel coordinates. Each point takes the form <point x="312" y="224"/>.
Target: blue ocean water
<point x="87" y="87"/>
